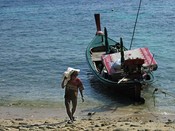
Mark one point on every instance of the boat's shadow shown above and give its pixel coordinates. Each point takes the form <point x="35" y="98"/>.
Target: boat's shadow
<point x="111" y="98"/>
<point x="120" y="95"/>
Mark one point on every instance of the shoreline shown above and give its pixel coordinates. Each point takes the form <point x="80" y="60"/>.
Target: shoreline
<point x="121" y="118"/>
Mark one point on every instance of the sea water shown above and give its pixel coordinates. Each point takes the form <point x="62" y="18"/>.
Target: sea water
<point x="39" y="39"/>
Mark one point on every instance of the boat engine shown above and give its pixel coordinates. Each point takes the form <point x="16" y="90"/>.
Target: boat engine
<point x="132" y="68"/>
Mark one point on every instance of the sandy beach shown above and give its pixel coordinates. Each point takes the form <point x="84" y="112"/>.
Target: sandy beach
<point x="55" y="119"/>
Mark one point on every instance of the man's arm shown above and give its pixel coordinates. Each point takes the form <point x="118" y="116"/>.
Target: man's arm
<point x="62" y="84"/>
<point x="81" y="93"/>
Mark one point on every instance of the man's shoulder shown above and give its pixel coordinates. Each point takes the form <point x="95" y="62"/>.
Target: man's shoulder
<point x="78" y="79"/>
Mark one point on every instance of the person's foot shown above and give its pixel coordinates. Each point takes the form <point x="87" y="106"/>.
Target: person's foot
<point x="70" y="122"/>
<point x="74" y="119"/>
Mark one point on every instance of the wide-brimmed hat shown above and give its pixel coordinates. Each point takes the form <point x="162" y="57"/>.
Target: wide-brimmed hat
<point x="68" y="73"/>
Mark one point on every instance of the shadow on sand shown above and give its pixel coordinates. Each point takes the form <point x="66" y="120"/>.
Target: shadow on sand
<point x="116" y="97"/>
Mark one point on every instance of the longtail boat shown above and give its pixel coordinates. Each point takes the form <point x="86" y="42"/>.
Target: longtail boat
<point x="116" y="66"/>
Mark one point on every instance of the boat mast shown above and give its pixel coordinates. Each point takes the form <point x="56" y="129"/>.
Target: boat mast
<point x="135" y="24"/>
<point x="106" y="41"/>
<point x="122" y="53"/>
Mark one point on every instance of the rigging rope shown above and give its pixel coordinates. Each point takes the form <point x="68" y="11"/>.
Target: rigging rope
<point x="166" y="93"/>
<point x="135" y="24"/>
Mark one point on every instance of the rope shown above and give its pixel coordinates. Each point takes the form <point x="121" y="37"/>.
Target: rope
<point x="156" y="90"/>
<point x="135" y="23"/>
<point x="163" y="92"/>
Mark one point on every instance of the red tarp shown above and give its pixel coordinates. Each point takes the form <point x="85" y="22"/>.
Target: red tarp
<point x="142" y="53"/>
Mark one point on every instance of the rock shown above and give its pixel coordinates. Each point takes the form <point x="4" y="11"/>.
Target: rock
<point x="46" y="122"/>
<point x="19" y="119"/>
<point x="126" y="123"/>
<point x="118" y="129"/>
<point x="134" y="125"/>
<point x="23" y="129"/>
<point x="91" y="113"/>
<point x="102" y="124"/>
<point x="22" y="123"/>
<point x="97" y="126"/>
<point x="42" y="128"/>
<point x="151" y="121"/>
<point x="50" y="127"/>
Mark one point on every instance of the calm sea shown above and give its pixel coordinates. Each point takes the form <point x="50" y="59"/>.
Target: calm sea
<point x="39" y="39"/>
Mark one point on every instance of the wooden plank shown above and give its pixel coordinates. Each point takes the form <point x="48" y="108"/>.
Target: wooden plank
<point x="96" y="56"/>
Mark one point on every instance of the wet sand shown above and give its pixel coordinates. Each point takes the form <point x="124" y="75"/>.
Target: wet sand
<point x="111" y="119"/>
